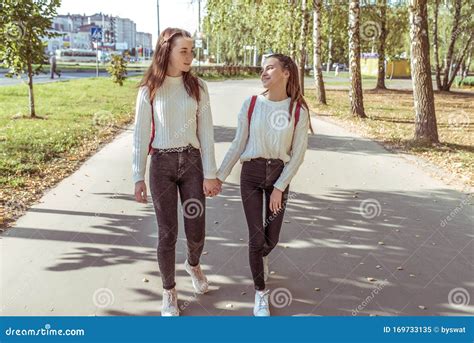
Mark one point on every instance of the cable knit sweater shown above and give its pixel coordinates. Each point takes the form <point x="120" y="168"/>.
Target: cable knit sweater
<point x="179" y="121"/>
<point x="271" y="135"/>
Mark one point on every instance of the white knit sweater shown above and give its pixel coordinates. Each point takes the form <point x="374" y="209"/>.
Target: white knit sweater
<point x="178" y="122"/>
<point x="270" y="136"/>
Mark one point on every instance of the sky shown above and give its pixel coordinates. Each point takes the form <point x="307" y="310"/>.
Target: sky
<point x="174" y="13"/>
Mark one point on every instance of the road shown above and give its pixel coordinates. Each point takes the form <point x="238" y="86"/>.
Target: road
<point x="45" y="78"/>
<point x="367" y="232"/>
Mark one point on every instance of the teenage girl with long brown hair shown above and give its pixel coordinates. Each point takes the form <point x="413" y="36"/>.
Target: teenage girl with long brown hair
<point x="271" y="140"/>
<point x="173" y="108"/>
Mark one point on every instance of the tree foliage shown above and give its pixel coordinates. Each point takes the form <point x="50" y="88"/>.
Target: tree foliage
<point x="23" y="26"/>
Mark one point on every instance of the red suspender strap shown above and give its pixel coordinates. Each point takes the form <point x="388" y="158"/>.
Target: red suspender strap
<point x="152" y="128"/>
<point x="251" y="107"/>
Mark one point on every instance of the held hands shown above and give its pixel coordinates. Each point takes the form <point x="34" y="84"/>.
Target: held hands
<point x="212" y="187"/>
<point x="275" y="200"/>
<point x="140" y="192"/>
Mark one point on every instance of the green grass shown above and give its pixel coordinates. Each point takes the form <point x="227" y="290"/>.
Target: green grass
<point x="467" y="82"/>
<point x="72" y="113"/>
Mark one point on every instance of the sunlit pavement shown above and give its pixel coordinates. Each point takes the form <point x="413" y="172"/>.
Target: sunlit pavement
<point x="366" y="232"/>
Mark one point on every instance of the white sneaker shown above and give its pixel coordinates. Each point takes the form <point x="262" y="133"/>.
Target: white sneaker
<point x="266" y="270"/>
<point x="262" y="307"/>
<point x="200" y="283"/>
<point x="170" y="303"/>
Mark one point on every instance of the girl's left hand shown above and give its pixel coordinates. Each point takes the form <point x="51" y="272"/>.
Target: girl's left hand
<point x="211" y="187"/>
<point x="275" y="200"/>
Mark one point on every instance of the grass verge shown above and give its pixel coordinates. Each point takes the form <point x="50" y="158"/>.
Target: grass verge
<point x="75" y="118"/>
<point x="391" y="122"/>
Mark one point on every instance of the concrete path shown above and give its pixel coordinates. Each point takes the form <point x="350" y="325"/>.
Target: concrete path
<point x="357" y="213"/>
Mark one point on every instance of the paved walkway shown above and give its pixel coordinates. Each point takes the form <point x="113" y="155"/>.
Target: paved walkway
<point x="357" y="213"/>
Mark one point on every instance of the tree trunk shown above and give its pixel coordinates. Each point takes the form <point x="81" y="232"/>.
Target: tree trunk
<point x="318" y="74"/>
<point x="381" y="47"/>
<point x="329" y="61"/>
<point x="466" y="65"/>
<point x="355" y="93"/>
<point x="426" y="130"/>
<point x="30" y="88"/>
<point x="459" y="62"/>
<point x="436" y="46"/>
<point x="303" y="35"/>
<point x="454" y="36"/>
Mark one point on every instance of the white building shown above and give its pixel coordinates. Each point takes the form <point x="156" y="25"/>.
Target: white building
<point x="144" y="40"/>
<point x="144" y="43"/>
<point x="125" y="33"/>
<point x="69" y="22"/>
<point x="118" y="33"/>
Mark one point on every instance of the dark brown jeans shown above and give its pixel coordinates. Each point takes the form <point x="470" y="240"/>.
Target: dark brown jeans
<point x="170" y="173"/>
<point x="256" y="186"/>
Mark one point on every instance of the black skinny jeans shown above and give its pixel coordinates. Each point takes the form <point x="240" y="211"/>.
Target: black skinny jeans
<point x="170" y="173"/>
<point x="256" y="186"/>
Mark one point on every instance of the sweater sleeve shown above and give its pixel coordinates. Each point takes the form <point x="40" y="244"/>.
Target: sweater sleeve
<point x="238" y="144"/>
<point x="298" y="150"/>
<point x="206" y="133"/>
<point x="141" y="134"/>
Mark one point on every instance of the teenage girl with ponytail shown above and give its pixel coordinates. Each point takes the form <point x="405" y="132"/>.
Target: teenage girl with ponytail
<point x="271" y="140"/>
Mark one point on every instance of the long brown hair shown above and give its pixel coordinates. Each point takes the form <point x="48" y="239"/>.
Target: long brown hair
<point x="293" y="89"/>
<point x="156" y="73"/>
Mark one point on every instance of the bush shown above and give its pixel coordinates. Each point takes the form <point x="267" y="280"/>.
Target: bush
<point x="117" y="69"/>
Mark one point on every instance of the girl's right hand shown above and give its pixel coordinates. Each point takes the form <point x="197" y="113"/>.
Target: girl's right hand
<point x="140" y="192"/>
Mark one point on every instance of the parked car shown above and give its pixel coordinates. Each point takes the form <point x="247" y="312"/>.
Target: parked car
<point x="339" y="66"/>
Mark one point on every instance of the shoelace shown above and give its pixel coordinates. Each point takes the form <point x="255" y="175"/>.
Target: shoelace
<point x="169" y="298"/>
<point x="263" y="303"/>
<point x="198" y="272"/>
